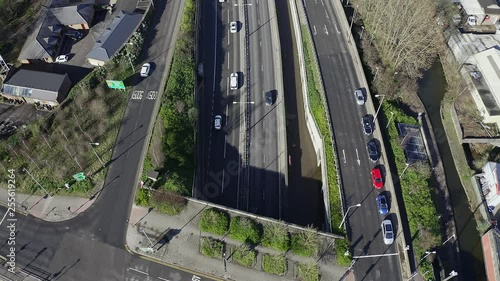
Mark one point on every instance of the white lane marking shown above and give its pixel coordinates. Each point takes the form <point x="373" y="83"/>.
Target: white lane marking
<point x="343" y="152"/>
<point x="258" y="21"/>
<point x="227" y="110"/>
<point x="326" y="13"/>
<point x="325" y="29"/>
<point x="163" y="279"/>
<point x="215" y="49"/>
<point x="337" y="29"/>
<point x="264" y="159"/>
<point x="262" y="68"/>
<point x="223" y="173"/>
<point x="225" y="144"/>
<point x="357" y="155"/>
<point x="137" y="270"/>
<point x="238" y="189"/>
<point x="228" y="59"/>
<point x="260" y="43"/>
<point x="322" y="3"/>
<point x="314" y="27"/>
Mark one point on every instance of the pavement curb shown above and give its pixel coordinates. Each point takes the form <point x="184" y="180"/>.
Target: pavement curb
<point x="19" y="211"/>
<point x="175" y="266"/>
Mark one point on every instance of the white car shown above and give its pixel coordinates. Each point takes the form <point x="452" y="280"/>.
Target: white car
<point x="62" y="58"/>
<point x="233" y="81"/>
<point x="388" y="232"/>
<point x="360" y="98"/>
<point x="233" y="27"/>
<point x="218" y="122"/>
<point x="145" y="70"/>
<point x="222" y="1"/>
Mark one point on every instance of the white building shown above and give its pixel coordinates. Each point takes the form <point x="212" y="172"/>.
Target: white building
<point x="490" y="183"/>
<point x="482" y="12"/>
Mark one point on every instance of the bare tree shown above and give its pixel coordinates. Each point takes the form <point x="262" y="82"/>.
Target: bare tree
<point x="98" y="108"/>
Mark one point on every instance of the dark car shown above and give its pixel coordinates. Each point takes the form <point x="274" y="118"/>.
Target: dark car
<point x="367" y="124"/>
<point x="382" y="206"/>
<point x="269" y="97"/>
<point x="372" y="148"/>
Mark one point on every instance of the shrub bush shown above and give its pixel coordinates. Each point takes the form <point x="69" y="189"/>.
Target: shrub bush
<point x="211" y="247"/>
<point x="167" y="202"/>
<point x="245" y="230"/>
<point x="244" y="256"/>
<point x="305" y="243"/>
<point x="274" y="264"/>
<point x="142" y="197"/>
<point x="214" y="221"/>
<point x="308" y="272"/>
<point x="276" y="236"/>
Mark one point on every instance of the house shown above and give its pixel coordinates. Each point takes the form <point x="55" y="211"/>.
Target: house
<point x="45" y="41"/>
<point x="36" y="87"/>
<point x="114" y="37"/>
<point x="489" y="181"/>
<point x="482" y="12"/>
<point x="483" y="76"/>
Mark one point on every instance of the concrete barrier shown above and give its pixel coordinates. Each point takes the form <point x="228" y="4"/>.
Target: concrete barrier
<point x="312" y="127"/>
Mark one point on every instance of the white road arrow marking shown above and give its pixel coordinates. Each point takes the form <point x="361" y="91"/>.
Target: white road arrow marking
<point x="314" y="27"/>
<point x="357" y="155"/>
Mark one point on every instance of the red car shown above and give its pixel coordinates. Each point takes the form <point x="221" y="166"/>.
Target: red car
<point x="377" y="178"/>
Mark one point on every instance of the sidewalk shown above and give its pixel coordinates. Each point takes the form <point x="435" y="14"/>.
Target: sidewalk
<point x="53" y="209"/>
<point x="176" y="240"/>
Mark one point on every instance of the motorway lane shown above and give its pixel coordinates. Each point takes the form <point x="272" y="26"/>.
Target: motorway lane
<point x="91" y="246"/>
<point x="340" y="81"/>
<point x="221" y="57"/>
<point x="264" y="172"/>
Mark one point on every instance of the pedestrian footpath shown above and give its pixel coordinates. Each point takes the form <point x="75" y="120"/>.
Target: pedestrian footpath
<point x="49" y="208"/>
<point x="176" y="240"/>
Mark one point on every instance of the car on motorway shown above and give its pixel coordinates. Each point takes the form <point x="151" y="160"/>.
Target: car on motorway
<point x="233" y="27"/>
<point x="222" y="1"/>
<point x="382" y="206"/>
<point x="388" y="232"/>
<point x="377" y="181"/>
<point x="145" y="69"/>
<point x="360" y="98"/>
<point x="367" y="121"/>
<point x="217" y="122"/>
<point x="269" y="97"/>
<point x="233" y="81"/>
<point x="373" y="152"/>
<point x="62" y="58"/>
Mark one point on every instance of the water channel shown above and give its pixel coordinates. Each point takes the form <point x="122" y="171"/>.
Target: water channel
<point x="431" y="92"/>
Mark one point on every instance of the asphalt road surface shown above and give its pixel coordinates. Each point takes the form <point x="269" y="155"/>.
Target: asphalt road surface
<point x="340" y="79"/>
<point x="92" y="245"/>
<point x="225" y="179"/>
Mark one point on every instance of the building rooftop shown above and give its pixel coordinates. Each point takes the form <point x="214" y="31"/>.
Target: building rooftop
<point x="34" y="84"/>
<point x="488" y="64"/>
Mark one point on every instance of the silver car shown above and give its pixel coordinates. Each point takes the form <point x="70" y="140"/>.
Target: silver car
<point x="360" y="98"/>
<point x="218" y="122"/>
<point x="388" y="232"/>
<point x="233" y="27"/>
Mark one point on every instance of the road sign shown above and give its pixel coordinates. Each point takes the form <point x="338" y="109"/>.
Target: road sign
<point x="115" y="84"/>
<point x="79" y="176"/>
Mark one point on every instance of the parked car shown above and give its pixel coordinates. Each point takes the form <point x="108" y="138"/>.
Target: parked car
<point x="62" y="58"/>
<point x="377" y="181"/>
<point x="222" y="1"/>
<point x="269" y="97"/>
<point x="145" y="70"/>
<point x="360" y="98"/>
<point x="233" y="27"/>
<point x="218" y="122"/>
<point x="367" y="121"/>
<point x="388" y="232"/>
<point x="382" y="206"/>
<point x="373" y="152"/>
<point x="233" y="81"/>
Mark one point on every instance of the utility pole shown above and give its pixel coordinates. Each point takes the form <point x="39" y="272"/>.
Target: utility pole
<point x="97" y="155"/>
<point x="350" y="27"/>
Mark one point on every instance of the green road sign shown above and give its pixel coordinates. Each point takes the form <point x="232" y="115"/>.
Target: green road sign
<point x="79" y="176"/>
<point x="115" y="84"/>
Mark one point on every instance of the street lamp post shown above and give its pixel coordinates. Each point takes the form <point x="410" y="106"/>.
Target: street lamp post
<point x="25" y="170"/>
<point x="407" y="165"/>
<point x="347" y="212"/>
<point x="449" y="238"/>
<point x="128" y="55"/>
<point x="362" y="30"/>
<point x="453" y="273"/>
<point x="427" y="254"/>
<point x="390" y="119"/>
<point x="152" y="245"/>
<point x="380" y="105"/>
<point x="97" y="155"/>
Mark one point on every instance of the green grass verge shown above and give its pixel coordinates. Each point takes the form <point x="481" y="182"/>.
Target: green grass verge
<point x="308" y="272"/>
<point x="305" y="243"/>
<point x="245" y="230"/>
<point x="244" y="256"/>
<point x="341" y="247"/>
<point x="319" y="111"/>
<point x="214" y="221"/>
<point x="211" y="248"/>
<point x="276" y="236"/>
<point x="274" y="264"/>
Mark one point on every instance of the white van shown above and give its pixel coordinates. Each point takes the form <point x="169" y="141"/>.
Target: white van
<point x="233" y="81"/>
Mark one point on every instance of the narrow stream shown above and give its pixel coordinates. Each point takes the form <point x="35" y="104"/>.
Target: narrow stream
<point x="431" y="92"/>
